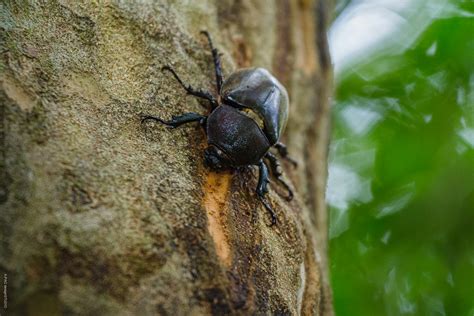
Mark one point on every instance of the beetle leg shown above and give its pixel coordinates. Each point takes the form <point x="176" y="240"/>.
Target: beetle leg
<point x="178" y="120"/>
<point x="262" y="189"/>
<point x="190" y="90"/>
<point x="276" y="171"/>
<point x="217" y="62"/>
<point x="283" y="151"/>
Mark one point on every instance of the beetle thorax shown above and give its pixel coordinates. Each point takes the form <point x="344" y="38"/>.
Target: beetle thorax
<point x="234" y="138"/>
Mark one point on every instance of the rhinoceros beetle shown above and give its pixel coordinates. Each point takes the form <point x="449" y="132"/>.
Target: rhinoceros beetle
<point x="245" y="121"/>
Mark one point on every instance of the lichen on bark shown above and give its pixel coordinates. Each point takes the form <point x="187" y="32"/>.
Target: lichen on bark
<point x="103" y="215"/>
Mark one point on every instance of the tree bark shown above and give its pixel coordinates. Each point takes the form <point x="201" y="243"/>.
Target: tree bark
<point x="103" y="215"/>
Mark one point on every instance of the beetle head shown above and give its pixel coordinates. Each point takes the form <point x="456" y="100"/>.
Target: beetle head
<point x="216" y="159"/>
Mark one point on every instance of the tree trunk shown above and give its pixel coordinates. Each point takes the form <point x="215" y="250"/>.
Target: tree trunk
<point x="103" y="215"/>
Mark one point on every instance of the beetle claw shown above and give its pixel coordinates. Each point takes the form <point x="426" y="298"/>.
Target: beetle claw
<point x="269" y="209"/>
<point x="292" y="161"/>
<point x="145" y="118"/>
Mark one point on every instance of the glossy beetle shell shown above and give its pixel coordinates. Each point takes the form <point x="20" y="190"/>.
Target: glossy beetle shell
<point x="237" y="135"/>
<point x="258" y="90"/>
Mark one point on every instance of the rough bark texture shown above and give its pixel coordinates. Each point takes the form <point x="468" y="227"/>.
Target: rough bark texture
<point x="103" y="215"/>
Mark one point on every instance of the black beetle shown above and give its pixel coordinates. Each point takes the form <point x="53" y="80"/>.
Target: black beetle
<point x="245" y="121"/>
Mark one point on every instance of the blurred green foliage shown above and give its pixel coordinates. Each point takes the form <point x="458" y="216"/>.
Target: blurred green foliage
<point x="402" y="176"/>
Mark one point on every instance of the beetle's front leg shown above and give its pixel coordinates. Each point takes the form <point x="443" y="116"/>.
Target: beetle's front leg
<point x="190" y="90"/>
<point x="217" y="62"/>
<point x="178" y="120"/>
<point x="275" y="168"/>
<point x="262" y="189"/>
<point x="283" y="151"/>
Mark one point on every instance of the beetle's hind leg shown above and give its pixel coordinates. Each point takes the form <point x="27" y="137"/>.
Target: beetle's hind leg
<point x="276" y="171"/>
<point x="190" y="90"/>
<point x="283" y="151"/>
<point x="178" y="120"/>
<point x="217" y="62"/>
<point x="262" y="189"/>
